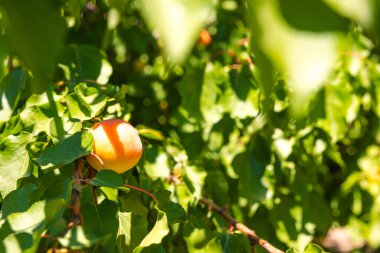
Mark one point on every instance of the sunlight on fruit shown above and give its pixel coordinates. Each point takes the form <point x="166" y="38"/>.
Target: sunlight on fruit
<point x="117" y="144"/>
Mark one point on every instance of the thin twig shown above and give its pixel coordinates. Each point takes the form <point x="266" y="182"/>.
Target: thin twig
<point x="141" y="190"/>
<point x="81" y="180"/>
<point x="239" y="226"/>
<point x="94" y="197"/>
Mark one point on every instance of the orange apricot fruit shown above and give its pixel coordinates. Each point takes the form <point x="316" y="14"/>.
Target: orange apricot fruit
<point x="117" y="146"/>
<point x="204" y="37"/>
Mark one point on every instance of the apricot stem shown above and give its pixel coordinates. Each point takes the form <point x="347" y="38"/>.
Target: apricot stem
<point x="99" y="160"/>
<point x="239" y="226"/>
<point x="141" y="190"/>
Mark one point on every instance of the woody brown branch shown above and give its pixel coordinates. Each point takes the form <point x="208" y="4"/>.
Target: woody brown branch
<point x="241" y="227"/>
<point x="75" y="198"/>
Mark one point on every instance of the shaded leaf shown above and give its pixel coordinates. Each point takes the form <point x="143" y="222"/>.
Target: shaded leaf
<point x="108" y="178"/>
<point x="154" y="248"/>
<point x="18" y="200"/>
<point x="229" y="243"/>
<point x="10" y="89"/>
<point x="43" y="29"/>
<point x="174" y="211"/>
<point x="84" y="62"/>
<point x="315" y="16"/>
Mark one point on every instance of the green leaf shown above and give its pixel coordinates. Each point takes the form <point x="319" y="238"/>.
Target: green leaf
<point x="92" y="96"/>
<point x="306" y="58"/>
<point x="3" y="55"/>
<point x="313" y="248"/>
<point x="12" y="126"/>
<point x="108" y="178"/>
<point x="250" y="167"/>
<point x="10" y="89"/>
<point x="41" y="110"/>
<point x="70" y="127"/>
<point x="109" y="220"/>
<point x="151" y="133"/>
<point x="190" y="90"/>
<point x="84" y="62"/>
<point x="315" y="16"/>
<point x="77" y="108"/>
<point x="19" y="243"/>
<point x="111" y="193"/>
<point x="177" y="23"/>
<point x="240" y="97"/>
<point x="156" y="162"/>
<point x="174" y="211"/>
<point x="362" y="12"/>
<point x="53" y="209"/>
<point x="42" y="29"/>
<point x="15" y="161"/>
<point x="340" y="98"/>
<point x="72" y="148"/>
<point x="154" y="248"/>
<point x="36" y="217"/>
<point x="86" y="102"/>
<point x="214" y="77"/>
<point x="78" y="238"/>
<point x="195" y="179"/>
<point x="57" y="227"/>
<point x="158" y="232"/>
<point x="218" y="186"/>
<point x="28" y="220"/>
<point x="229" y="243"/>
<point x="18" y="200"/>
<point x="132" y="230"/>
<point x="59" y="188"/>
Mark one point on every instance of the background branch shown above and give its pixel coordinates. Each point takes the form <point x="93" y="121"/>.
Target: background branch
<point x="239" y="226"/>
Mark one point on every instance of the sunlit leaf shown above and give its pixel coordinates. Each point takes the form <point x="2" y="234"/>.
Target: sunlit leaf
<point x="178" y="23"/>
<point x="15" y="161"/>
<point x="78" y="238"/>
<point x="313" y="248"/>
<point x="76" y="146"/>
<point x="158" y="232"/>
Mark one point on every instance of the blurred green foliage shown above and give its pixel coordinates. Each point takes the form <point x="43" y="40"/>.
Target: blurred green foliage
<point x="277" y="119"/>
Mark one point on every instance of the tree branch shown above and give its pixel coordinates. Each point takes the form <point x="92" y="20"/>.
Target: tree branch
<point x="141" y="190"/>
<point x="75" y="198"/>
<point x="239" y="226"/>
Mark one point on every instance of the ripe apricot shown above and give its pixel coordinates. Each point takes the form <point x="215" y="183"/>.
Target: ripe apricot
<point x="204" y="37"/>
<point x="117" y="144"/>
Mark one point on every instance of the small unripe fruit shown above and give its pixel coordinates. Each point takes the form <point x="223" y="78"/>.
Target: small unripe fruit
<point x="117" y="144"/>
